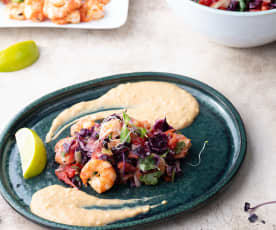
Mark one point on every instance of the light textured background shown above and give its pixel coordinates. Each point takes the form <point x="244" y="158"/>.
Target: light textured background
<point x="154" y="39"/>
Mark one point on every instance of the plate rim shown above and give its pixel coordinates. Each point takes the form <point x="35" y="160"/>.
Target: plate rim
<point x="217" y="189"/>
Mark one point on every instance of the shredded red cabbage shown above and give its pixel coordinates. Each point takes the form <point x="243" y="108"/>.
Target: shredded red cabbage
<point x="158" y="143"/>
<point x="161" y="125"/>
<point x="240" y="5"/>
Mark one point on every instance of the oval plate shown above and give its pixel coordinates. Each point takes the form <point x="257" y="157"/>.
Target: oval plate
<point x="218" y="122"/>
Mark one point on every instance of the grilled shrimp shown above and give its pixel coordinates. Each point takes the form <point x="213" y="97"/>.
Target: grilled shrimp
<point x="100" y="173"/>
<point x="72" y="18"/>
<point x="84" y="123"/>
<point x="16" y="11"/>
<point x="112" y="127"/>
<point x="104" y="1"/>
<point x="91" y="10"/>
<point x="63" y="156"/>
<point x="142" y="124"/>
<point x="59" y="9"/>
<point x="34" y="10"/>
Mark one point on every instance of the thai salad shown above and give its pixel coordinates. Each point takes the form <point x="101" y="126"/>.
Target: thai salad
<point x="119" y="150"/>
<point x="240" y="5"/>
<point x="58" y="11"/>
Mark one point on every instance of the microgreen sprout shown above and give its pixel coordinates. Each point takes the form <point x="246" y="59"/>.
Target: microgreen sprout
<point x="173" y="175"/>
<point x="165" y="154"/>
<point x="199" y="155"/>
<point x="126" y="117"/>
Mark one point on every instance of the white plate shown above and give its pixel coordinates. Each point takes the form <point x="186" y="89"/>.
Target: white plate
<point x="115" y="16"/>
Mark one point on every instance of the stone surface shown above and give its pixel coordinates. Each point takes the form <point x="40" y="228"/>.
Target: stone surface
<point x="154" y="39"/>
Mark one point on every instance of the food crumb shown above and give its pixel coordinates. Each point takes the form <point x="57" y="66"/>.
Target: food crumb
<point x="164" y="202"/>
<point x="252" y="218"/>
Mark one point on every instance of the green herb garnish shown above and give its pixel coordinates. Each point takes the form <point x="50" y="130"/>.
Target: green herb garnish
<point x="242" y="5"/>
<point x="125" y="135"/>
<point x="179" y="147"/>
<point x="147" y="163"/>
<point x="165" y="154"/>
<point x="75" y="167"/>
<point x="126" y="118"/>
<point x="151" y="178"/>
<point x="142" y="132"/>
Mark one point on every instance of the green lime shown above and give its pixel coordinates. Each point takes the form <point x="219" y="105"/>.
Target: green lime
<point x="18" y="56"/>
<point x="32" y="152"/>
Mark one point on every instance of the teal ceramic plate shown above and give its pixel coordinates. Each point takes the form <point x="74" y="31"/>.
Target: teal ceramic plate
<point x="218" y="122"/>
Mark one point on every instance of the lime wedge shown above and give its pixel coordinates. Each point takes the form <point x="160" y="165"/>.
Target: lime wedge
<point x="18" y="56"/>
<point x="32" y="152"/>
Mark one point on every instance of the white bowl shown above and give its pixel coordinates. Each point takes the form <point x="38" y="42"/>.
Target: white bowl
<point x="234" y="29"/>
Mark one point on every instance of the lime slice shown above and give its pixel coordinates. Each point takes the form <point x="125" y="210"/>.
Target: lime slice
<point x="32" y="152"/>
<point x="18" y="56"/>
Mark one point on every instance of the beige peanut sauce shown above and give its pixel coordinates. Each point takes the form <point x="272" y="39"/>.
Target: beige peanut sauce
<point x="66" y="206"/>
<point x="146" y="100"/>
